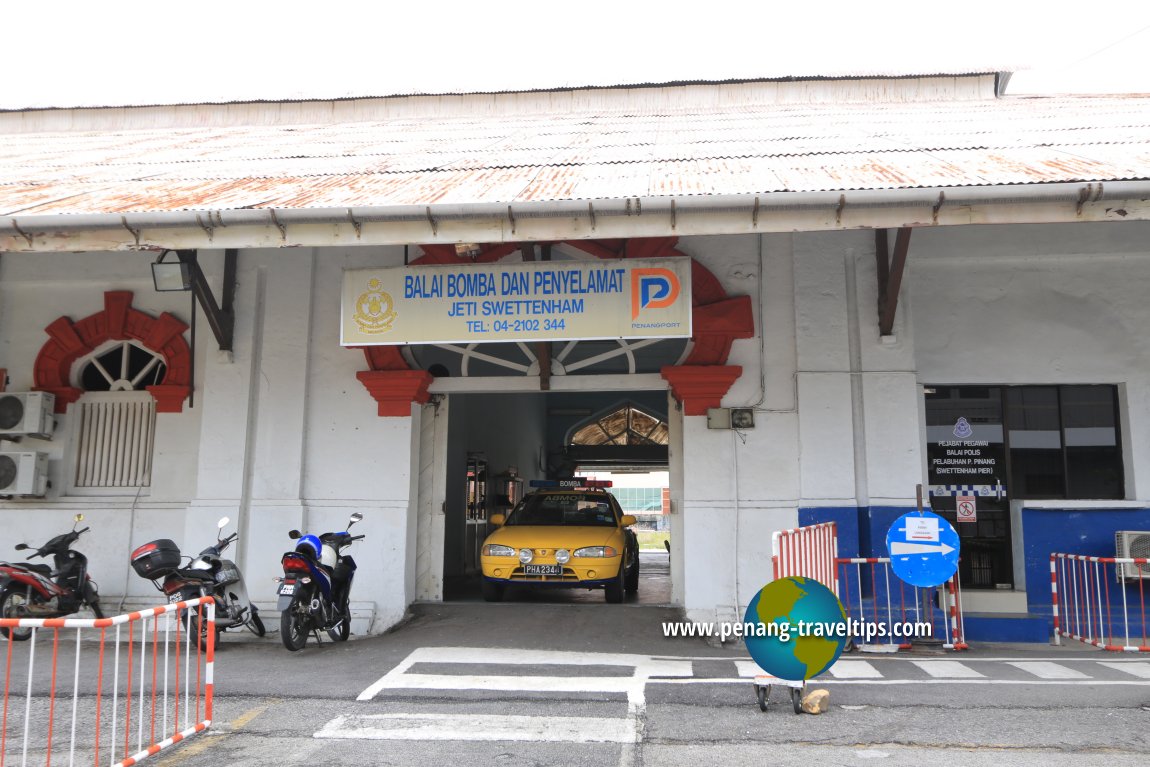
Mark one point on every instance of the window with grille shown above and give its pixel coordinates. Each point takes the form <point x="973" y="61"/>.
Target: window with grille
<point x="116" y="418"/>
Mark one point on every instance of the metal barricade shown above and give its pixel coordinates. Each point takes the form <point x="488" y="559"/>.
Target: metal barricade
<point x="878" y="597"/>
<point x="133" y="691"/>
<point x="808" y="552"/>
<point x="1087" y="609"/>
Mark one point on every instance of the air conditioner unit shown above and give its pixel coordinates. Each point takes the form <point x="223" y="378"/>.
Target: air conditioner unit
<point x="27" y="413"/>
<point x="23" y="473"/>
<point x="1132" y="544"/>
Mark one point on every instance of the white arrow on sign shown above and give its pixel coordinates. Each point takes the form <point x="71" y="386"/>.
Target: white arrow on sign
<point x="899" y="547"/>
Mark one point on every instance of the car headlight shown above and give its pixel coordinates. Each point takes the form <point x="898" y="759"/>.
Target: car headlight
<point x="596" y="551"/>
<point x="562" y="556"/>
<point x="495" y="550"/>
<point x="526" y="555"/>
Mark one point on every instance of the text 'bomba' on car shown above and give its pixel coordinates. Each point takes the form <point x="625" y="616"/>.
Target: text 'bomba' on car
<point x="575" y="537"/>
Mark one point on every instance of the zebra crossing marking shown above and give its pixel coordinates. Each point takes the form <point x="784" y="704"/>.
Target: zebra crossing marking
<point x="948" y="669"/>
<point x="1140" y="669"/>
<point x="1048" y="670"/>
<point x="854" y="669"/>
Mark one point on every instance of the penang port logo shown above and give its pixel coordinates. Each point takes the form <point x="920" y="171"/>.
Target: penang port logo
<point x="652" y="289"/>
<point x="373" y="309"/>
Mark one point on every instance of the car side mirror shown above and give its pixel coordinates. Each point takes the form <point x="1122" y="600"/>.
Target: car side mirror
<point x="497" y="519"/>
<point x="293" y="534"/>
<point x="628" y="520"/>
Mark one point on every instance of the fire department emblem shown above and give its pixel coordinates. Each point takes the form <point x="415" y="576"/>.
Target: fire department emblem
<point x="373" y="309"/>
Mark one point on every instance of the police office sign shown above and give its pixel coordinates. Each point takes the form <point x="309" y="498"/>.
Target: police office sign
<point x="530" y="301"/>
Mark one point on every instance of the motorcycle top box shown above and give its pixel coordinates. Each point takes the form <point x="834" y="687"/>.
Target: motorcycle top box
<point x="156" y="559"/>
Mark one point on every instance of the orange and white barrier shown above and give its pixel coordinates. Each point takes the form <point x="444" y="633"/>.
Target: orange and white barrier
<point x="807" y="552"/>
<point x="140" y="682"/>
<point x="893" y="601"/>
<point x="1100" y="601"/>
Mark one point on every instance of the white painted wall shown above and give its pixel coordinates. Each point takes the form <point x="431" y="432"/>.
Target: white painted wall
<point x="283" y="435"/>
<point x="1054" y="304"/>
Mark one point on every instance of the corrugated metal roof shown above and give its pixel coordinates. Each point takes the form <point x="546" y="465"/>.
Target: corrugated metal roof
<point x="591" y="153"/>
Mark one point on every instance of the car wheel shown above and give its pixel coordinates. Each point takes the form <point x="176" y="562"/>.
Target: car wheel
<point x="492" y="591"/>
<point x="614" y="589"/>
<point x="631" y="583"/>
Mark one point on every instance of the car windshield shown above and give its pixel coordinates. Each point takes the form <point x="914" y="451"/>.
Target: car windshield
<point x="563" y="510"/>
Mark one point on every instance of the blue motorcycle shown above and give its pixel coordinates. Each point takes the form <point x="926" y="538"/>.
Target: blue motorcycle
<point x="315" y="591"/>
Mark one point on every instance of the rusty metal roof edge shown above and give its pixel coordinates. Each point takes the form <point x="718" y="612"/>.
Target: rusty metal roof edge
<point x="1001" y="75"/>
<point x="1061" y="192"/>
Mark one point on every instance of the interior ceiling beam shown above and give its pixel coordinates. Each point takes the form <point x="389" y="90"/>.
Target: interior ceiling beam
<point x="890" y="269"/>
<point x="220" y="316"/>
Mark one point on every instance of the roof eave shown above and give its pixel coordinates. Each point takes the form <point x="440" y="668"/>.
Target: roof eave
<point x="580" y="219"/>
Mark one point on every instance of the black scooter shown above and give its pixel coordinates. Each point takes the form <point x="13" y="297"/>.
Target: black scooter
<point x="40" y="591"/>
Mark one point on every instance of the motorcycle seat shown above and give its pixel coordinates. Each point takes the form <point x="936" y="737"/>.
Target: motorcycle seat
<point x="196" y="575"/>
<point x="42" y="569"/>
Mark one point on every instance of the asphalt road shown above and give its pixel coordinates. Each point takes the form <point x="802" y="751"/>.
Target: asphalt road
<point x="550" y="682"/>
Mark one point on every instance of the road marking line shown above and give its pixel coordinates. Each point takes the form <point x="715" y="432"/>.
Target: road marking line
<point x="854" y="669"/>
<point x="947" y="669"/>
<point x="246" y="717"/>
<point x="823" y="680"/>
<point x="1139" y="669"/>
<point x="644" y="667"/>
<point x="1047" y="670"/>
<point x="480" y="727"/>
<point x="514" y="683"/>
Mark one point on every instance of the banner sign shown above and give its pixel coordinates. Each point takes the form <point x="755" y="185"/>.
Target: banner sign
<point x="528" y="301"/>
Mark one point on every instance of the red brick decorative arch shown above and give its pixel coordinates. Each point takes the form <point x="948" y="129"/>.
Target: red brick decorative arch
<point x="117" y="322"/>
<point x="699" y="383"/>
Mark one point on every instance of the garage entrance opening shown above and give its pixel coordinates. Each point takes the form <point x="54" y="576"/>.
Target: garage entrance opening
<point x="501" y="448"/>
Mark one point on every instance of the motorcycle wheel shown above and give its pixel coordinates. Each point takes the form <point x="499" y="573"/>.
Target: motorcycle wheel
<point x="341" y="632"/>
<point x="96" y="611"/>
<point x="294" y="625"/>
<point x="193" y="625"/>
<point x="13" y="604"/>
<point x="255" y="625"/>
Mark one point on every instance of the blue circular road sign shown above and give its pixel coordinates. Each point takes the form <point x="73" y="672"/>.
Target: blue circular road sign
<point x="923" y="549"/>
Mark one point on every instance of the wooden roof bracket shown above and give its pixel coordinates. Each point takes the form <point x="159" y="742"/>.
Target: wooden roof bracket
<point x="890" y="270"/>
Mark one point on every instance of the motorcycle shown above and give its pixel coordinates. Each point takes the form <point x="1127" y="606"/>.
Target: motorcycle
<point x="208" y="574"/>
<point x="315" y="591"/>
<point x="40" y="591"/>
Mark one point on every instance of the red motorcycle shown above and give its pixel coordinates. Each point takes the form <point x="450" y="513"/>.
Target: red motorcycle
<point x="40" y="591"/>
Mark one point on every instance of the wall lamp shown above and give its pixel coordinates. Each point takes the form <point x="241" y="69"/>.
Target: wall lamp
<point x="171" y="276"/>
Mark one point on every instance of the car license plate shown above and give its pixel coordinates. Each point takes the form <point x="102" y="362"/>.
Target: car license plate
<point x="287" y="589"/>
<point x="542" y="570"/>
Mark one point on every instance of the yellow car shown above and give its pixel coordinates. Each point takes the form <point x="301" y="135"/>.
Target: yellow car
<point x="562" y="539"/>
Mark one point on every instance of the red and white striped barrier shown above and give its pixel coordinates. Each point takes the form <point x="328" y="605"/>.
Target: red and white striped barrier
<point x="892" y="601"/>
<point x="807" y="552"/>
<point x="120" y="708"/>
<point x="1088" y="609"/>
